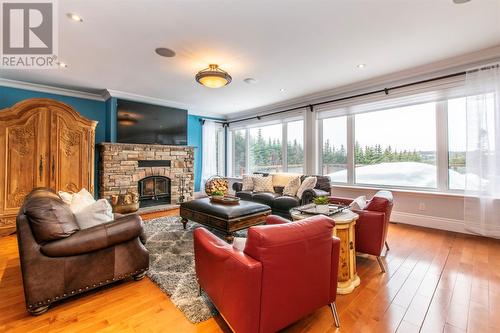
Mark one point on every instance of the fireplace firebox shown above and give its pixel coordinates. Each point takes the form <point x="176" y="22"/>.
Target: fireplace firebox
<point x="154" y="190"/>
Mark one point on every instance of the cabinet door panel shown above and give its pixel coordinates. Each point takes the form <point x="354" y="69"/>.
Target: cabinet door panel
<point x="71" y="154"/>
<point x="25" y="165"/>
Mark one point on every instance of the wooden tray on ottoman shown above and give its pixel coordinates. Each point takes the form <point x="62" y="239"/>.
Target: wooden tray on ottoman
<point x="226" y="218"/>
<point x="225" y="200"/>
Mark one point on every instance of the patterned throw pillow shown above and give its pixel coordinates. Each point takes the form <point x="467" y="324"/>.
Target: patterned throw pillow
<point x="307" y="184"/>
<point x="292" y="187"/>
<point x="263" y="184"/>
<point x="248" y="182"/>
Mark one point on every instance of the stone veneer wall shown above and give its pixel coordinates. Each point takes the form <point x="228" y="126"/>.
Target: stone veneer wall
<point x="120" y="173"/>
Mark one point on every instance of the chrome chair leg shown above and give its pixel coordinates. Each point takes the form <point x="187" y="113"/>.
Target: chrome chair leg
<point x="387" y="246"/>
<point x="333" y="307"/>
<point x="381" y="264"/>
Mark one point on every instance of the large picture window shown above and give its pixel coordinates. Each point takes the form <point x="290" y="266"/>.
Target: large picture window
<point x="397" y="147"/>
<point x="265" y="149"/>
<point x="270" y="148"/>
<point x="419" y="146"/>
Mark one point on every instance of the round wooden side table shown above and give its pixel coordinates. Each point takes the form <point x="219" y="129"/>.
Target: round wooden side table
<point x="345" y="223"/>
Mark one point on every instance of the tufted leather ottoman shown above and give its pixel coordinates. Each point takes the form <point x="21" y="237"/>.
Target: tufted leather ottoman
<point x="226" y="218"/>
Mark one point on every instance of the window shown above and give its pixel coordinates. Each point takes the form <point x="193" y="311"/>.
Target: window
<point x="262" y="149"/>
<point x="295" y="146"/>
<point x="265" y="149"/>
<point x="239" y="153"/>
<point x="397" y="147"/>
<point x="220" y="150"/>
<point x="457" y="142"/>
<point x="334" y="148"/>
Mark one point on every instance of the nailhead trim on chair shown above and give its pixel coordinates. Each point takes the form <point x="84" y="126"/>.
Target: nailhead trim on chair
<point x="100" y="283"/>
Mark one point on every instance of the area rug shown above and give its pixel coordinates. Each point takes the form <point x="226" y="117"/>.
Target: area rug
<point x="171" y="265"/>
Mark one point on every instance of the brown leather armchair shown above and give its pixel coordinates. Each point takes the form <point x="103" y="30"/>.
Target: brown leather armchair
<point x="59" y="261"/>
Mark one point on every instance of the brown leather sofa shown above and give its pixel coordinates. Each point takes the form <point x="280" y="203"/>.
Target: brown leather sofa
<point x="59" y="261"/>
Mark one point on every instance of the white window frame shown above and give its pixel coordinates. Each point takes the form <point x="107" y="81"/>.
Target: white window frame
<point x="442" y="152"/>
<point x="284" y="143"/>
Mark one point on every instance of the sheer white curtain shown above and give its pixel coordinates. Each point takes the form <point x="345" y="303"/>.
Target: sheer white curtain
<point x="209" y="153"/>
<point x="482" y="188"/>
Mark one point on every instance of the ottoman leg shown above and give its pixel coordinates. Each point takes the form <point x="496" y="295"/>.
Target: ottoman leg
<point x="184" y="223"/>
<point x="229" y="237"/>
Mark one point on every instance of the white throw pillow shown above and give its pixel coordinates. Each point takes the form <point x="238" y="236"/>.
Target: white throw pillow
<point x="307" y="184"/>
<point x="81" y="200"/>
<point x="66" y="197"/>
<point x="359" y="203"/>
<point x="263" y="184"/>
<point x="292" y="187"/>
<point x="97" y="213"/>
<point x="248" y="182"/>
<point x="239" y="243"/>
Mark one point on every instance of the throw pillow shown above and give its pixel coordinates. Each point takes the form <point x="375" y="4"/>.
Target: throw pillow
<point x="248" y="182"/>
<point x="239" y="243"/>
<point x="66" y="197"/>
<point x="307" y="184"/>
<point x="292" y="187"/>
<point x="97" y="213"/>
<point x="263" y="184"/>
<point x="81" y="200"/>
<point x="359" y="203"/>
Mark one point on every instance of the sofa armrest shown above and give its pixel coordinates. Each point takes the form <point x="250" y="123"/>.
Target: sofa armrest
<point x="340" y="200"/>
<point x="309" y="195"/>
<point x="96" y="238"/>
<point x="237" y="186"/>
<point x="275" y="219"/>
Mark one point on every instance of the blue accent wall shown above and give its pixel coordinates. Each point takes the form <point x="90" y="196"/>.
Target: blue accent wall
<point x="105" y="113"/>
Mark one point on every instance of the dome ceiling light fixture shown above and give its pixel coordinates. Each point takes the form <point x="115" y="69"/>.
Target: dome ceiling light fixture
<point x="213" y="77"/>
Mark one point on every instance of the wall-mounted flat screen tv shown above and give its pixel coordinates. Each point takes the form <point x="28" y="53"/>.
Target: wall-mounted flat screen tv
<point x="151" y="124"/>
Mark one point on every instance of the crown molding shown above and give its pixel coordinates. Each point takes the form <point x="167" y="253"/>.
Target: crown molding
<point x="158" y="101"/>
<point x="438" y="68"/>
<point x="50" y="89"/>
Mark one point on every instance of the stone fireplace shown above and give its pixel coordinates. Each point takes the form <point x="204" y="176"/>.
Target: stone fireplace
<point x="159" y="174"/>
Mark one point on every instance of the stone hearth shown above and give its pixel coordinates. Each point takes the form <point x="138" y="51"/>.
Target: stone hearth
<point x="120" y="172"/>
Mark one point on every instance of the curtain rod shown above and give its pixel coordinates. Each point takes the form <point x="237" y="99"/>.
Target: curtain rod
<point x="384" y="90"/>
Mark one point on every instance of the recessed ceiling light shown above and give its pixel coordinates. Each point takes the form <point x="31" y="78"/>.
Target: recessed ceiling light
<point x="282" y="90"/>
<point x="250" y="80"/>
<point x="458" y="2"/>
<point x="361" y="66"/>
<point x="75" y="17"/>
<point x="164" y="52"/>
<point x="62" y="64"/>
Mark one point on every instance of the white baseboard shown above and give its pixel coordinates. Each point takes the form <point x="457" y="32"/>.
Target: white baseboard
<point x="427" y="221"/>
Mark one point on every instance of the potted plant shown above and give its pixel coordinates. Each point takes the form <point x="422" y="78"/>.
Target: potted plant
<point x="217" y="194"/>
<point x="321" y="203"/>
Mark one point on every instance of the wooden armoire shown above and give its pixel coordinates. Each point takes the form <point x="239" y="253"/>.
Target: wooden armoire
<point x="43" y="143"/>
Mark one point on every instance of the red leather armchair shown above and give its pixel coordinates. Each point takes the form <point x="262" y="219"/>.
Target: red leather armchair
<point x="286" y="271"/>
<point x="372" y="225"/>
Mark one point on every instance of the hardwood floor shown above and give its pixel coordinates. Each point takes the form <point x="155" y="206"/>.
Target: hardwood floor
<point x="436" y="282"/>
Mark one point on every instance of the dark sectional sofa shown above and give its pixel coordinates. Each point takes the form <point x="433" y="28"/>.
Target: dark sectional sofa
<point x="281" y="204"/>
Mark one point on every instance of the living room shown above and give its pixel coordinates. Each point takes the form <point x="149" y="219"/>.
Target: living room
<point x="231" y="166"/>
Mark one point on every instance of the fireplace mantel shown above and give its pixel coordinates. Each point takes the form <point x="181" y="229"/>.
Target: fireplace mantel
<point x="120" y="171"/>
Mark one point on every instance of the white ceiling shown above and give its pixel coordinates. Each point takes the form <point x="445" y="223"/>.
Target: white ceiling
<point x="302" y="46"/>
